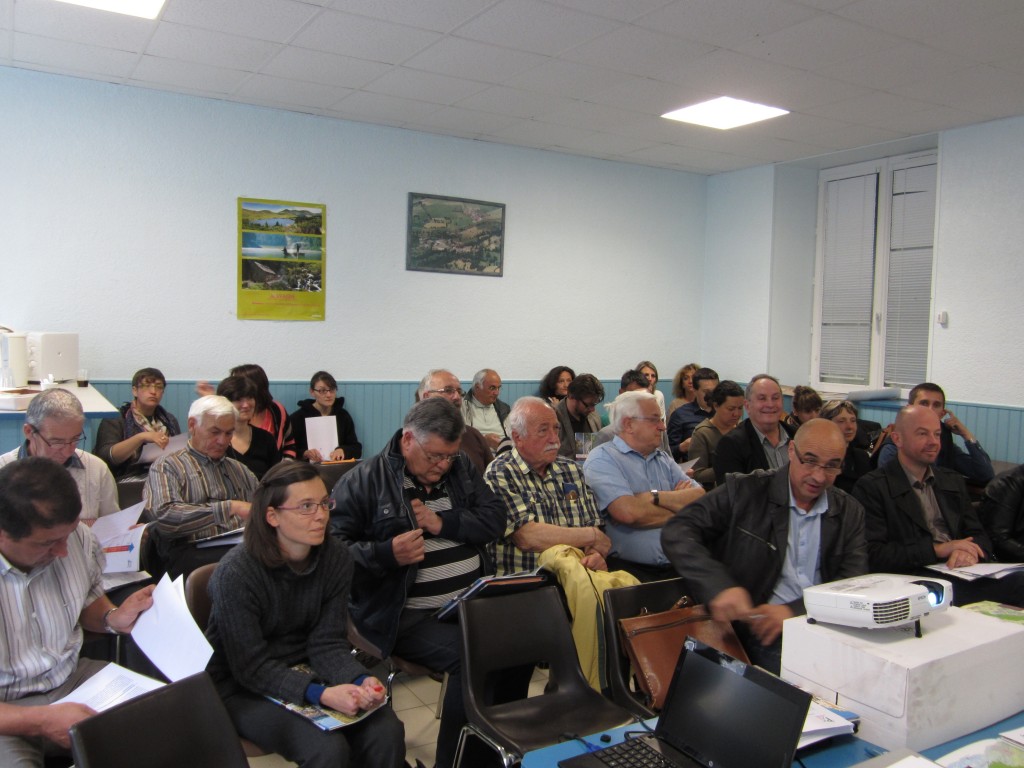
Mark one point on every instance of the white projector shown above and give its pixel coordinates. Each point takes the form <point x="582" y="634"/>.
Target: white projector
<point x="877" y="600"/>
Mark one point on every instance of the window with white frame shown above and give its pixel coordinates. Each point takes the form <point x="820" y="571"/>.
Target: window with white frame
<point x="873" y="274"/>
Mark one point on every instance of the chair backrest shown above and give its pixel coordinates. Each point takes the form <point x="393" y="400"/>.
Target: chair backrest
<point x="623" y="603"/>
<point x="181" y="724"/>
<point x="510" y="631"/>
<point x="197" y="598"/>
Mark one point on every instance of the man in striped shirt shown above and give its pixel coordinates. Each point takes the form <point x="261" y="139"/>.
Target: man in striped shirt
<point x="417" y="518"/>
<point x="50" y="590"/>
<point x="547" y="501"/>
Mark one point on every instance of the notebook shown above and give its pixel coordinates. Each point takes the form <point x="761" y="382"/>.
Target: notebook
<point x="720" y="713"/>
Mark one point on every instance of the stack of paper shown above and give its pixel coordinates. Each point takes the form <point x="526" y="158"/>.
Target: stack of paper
<point x="120" y="535"/>
<point x="822" y="723"/>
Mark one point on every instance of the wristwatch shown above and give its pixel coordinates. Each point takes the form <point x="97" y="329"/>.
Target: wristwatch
<point x="106" y="622"/>
<point x="655" y="493"/>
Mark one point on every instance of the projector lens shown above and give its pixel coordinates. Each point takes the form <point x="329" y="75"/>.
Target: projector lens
<point x="935" y="591"/>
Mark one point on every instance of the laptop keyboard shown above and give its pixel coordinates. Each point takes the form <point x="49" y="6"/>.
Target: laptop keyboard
<point x="633" y="753"/>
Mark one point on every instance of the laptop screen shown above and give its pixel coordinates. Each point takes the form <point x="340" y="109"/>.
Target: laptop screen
<point x="737" y="715"/>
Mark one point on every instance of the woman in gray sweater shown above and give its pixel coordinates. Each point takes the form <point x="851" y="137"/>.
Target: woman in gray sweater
<point x="280" y="600"/>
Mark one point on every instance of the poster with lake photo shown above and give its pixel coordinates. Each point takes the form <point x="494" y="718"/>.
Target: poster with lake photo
<point x="282" y="260"/>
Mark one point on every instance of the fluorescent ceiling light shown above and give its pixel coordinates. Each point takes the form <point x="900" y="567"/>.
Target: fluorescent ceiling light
<point x="724" y="113"/>
<point x="146" y="9"/>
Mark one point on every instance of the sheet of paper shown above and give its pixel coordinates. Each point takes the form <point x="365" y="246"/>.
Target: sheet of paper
<point x="913" y="761"/>
<point x="111" y="526"/>
<point x="151" y="451"/>
<point x="688" y="464"/>
<point x="168" y="634"/>
<point x="322" y="434"/>
<point x="121" y="542"/>
<point x="111" y="685"/>
<point x="820" y="724"/>
<point x="115" y="580"/>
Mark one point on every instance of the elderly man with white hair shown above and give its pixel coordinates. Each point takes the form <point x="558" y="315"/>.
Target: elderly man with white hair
<point x="197" y="492"/>
<point x="53" y="429"/>
<point x="484" y="410"/>
<point x="547" y="501"/>
<point x="638" y="486"/>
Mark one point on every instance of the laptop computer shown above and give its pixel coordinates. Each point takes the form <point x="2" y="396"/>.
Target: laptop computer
<point x="719" y="713"/>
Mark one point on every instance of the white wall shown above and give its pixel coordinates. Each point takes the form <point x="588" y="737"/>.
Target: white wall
<point x="120" y="206"/>
<point x="737" y="273"/>
<point x="979" y="272"/>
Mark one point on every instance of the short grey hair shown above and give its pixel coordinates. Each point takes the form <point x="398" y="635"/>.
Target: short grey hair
<point x="434" y="416"/>
<point x="212" y="405"/>
<point x="424" y="386"/>
<point x="748" y="391"/>
<point x="520" y="412"/>
<point x="57" y="404"/>
<point x="478" y="377"/>
<point x="628" y="406"/>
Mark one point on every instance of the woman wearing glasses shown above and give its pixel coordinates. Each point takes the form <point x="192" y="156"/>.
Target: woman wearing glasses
<point x="279" y="600"/>
<point x="119" y="441"/>
<point x="325" y="402"/>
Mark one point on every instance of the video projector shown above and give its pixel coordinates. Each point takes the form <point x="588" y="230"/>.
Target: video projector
<point x="877" y="600"/>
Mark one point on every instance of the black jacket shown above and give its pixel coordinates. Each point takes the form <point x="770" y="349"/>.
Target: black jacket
<point x="898" y="537"/>
<point x="347" y="439"/>
<point x="737" y="535"/>
<point x="1002" y="513"/>
<point x="371" y="510"/>
<point x="741" y="451"/>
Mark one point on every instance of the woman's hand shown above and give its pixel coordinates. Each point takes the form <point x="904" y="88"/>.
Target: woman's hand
<point x="338" y="454"/>
<point x="347" y="699"/>
<point x="313" y="455"/>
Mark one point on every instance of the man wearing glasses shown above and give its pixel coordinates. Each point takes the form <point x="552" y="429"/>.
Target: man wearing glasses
<point x="638" y="486"/>
<point x="749" y="548"/>
<point x="53" y="429"/>
<point x="442" y="383"/>
<point x="416" y="518"/>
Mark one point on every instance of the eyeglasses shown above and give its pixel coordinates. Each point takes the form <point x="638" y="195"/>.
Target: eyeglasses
<point x="438" y="458"/>
<point x="828" y="469"/>
<point x="308" y="508"/>
<point x="326" y="390"/>
<point x="152" y="385"/>
<point x="493" y="387"/>
<point x="654" y="419"/>
<point x="448" y="391"/>
<point x="588" y="406"/>
<point x="59" y="443"/>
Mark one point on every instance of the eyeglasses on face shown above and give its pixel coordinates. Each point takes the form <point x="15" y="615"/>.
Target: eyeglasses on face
<point x="448" y="391"/>
<point x="156" y="385"/>
<point x="652" y="419"/>
<point x="325" y="390"/>
<point x="828" y="469"/>
<point x="438" y="458"/>
<point x="59" y="443"/>
<point x="308" y="508"/>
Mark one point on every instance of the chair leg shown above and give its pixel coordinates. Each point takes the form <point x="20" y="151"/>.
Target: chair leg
<point x="508" y="759"/>
<point x="440" y="698"/>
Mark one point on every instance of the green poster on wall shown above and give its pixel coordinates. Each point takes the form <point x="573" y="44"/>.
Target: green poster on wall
<point x="282" y="260"/>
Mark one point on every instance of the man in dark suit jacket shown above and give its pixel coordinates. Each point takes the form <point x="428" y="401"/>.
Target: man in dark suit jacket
<point x="918" y="514"/>
<point x="759" y="442"/>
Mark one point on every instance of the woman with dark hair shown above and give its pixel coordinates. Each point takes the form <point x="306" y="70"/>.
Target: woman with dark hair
<point x="806" y="406"/>
<point x="254" y="447"/>
<point x="726" y="401"/>
<point x="270" y="415"/>
<point x="856" y="462"/>
<point x="555" y="384"/>
<point x="683" y="391"/>
<point x="325" y="402"/>
<point x="119" y="441"/>
<point x="650" y="372"/>
<point x="279" y="600"/>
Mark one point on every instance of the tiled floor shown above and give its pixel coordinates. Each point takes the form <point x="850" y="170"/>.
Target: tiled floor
<point x="415" y="699"/>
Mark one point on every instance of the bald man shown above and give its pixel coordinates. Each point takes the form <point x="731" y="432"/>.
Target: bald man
<point x="919" y="514"/>
<point x="772" y="534"/>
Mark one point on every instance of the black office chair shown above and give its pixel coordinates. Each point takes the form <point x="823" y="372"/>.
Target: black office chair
<point x="623" y="603"/>
<point x="181" y="724"/>
<point x="510" y="632"/>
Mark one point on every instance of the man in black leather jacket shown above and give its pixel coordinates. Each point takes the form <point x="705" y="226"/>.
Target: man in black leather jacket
<point x="416" y="518"/>
<point x="748" y="548"/>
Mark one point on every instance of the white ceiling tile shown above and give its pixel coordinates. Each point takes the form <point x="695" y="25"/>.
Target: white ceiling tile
<point x="932" y="120"/>
<point x="72" y="57"/>
<point x="511" y="101"/>
<point x="436" y="15"/>
<point x="835" y="134"/>
<point x="6" y="14"/>
<point x="568" y="78"/>
<point x="614" y="9"/>
<point x="595" y="116"/>
<point x="83" y="25"/>
<point x="530" y="25"/>
<point x="278" y="90"/>
<point x="982" y="89"/>
<point x="640" y="52"/>
<point x="920" y="19"/>
<point x="651" y="96"/>
<point x="905" y="63"/>
<point x="609" y="144"/>
<point x="869" y="109"/>
<point x="535" y="133"/>
<point x="725" y="22"/>
<point x="376" y="107"/>
<point x="690" y="158"/>
<point x="425" y="86"/>
<point x="324" y="68"/>
<point x="818" y="42"/>
<point x="175" y="41"/>
<point x="274" y="20"/>
<point x="152" y="70"/>
<point x="455" y="57"/>
<point x="987" y="40"/>
<point x="363" y="38"/>
<point x="467" y="121"/>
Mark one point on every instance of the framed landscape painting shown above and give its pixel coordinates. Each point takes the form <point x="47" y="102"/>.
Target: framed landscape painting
<point x="454" y="235"/>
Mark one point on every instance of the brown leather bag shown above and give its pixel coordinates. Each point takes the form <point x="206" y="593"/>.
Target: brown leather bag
<point x="653" y="642"/>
